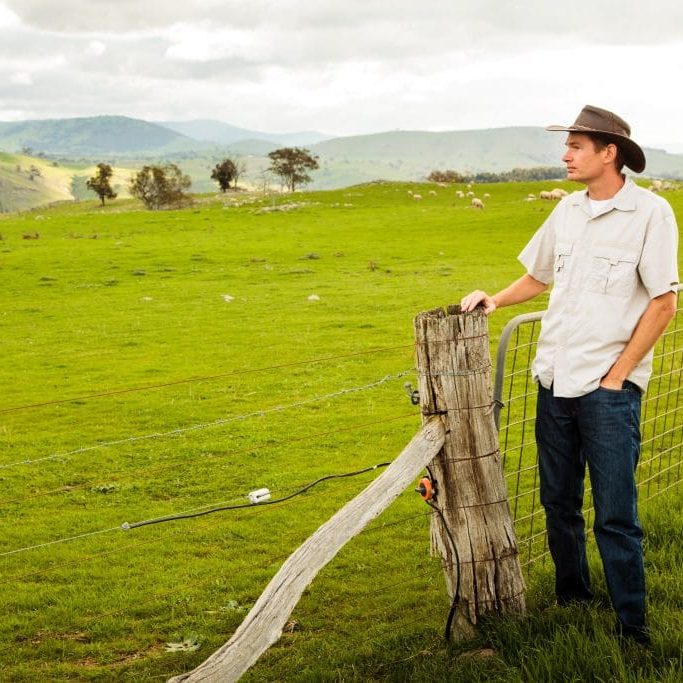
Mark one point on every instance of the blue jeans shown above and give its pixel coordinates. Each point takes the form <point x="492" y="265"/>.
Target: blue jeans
<point x="601" y="429"/>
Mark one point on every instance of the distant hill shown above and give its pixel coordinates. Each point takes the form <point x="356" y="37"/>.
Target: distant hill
<point x="494" y="149"/>
<point x="94" y="136"/>
<point x="218" y="132"/>
<point x="412" y="155"/>
<point x="253" y="148"/>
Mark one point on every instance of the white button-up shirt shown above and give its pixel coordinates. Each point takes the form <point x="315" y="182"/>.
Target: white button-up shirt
<point x="605" y="269"/>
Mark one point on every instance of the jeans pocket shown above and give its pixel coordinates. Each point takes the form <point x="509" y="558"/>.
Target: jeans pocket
<point x="626" y="387"/>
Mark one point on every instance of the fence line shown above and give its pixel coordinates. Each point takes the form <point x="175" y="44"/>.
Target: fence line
<point x="214" y="459"/>
<point x="147" y="541"/>
<point x="278" y="558"/>
<point x="661" y="459"/>
<point x="214" y="423"/>
<point x="208" y="508"/>
<point x="191" y="380"/>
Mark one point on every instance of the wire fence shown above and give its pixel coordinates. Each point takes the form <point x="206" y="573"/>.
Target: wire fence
<point x="661" y="459"/>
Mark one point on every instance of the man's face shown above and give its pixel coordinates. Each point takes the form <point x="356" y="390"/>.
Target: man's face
<point x="584" y="162"/>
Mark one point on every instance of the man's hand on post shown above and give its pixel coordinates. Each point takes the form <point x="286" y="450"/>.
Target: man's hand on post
<point x="473" y="299"/>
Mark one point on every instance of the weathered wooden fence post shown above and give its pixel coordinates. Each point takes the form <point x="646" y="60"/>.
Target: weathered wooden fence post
<point x="454" y="372"/>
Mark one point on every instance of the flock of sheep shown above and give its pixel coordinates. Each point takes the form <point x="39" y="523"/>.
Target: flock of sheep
<point x="555" y="194"/>
<point x="477" y="203"/>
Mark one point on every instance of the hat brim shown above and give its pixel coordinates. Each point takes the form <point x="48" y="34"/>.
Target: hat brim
<point x="634" y="157"/>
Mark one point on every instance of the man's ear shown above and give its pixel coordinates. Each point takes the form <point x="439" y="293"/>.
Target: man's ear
<point x="610" y="152"/>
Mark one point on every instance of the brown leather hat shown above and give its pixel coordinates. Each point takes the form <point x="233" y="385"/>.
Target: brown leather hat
<point x="605" y="123"/>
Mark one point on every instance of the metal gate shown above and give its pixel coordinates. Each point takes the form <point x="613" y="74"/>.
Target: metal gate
<point x="661" y="460"/>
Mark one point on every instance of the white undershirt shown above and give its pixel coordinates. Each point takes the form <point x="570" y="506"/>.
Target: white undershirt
<point x="599" y="206"/>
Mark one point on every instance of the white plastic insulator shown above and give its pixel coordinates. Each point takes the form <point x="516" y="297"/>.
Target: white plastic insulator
<point x="258" y="496"/>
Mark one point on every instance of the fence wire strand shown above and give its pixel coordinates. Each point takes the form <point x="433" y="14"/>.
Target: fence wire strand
<point x="214" y="423"/>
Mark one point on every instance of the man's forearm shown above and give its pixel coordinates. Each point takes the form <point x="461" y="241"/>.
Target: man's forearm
<point x="523" y="289"/>
<point x="527" y="287"/>
<point x="652" y="323"/>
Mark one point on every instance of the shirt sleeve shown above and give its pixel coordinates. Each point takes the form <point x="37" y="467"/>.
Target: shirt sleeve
<point x="658" y="267"/>
<point x="538" y="256"/>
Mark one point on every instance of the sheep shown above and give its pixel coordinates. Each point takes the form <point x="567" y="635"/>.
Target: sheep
<point x="486" y="195"/>
<point x="545" y="194"/>
<point x="557" y="193"/>
<point x="531" y="195"/>
<point x="477" y="203"/>
<point x="459" y="194"/>
<point x="417" y="196"/>
<point x="470" y="194"/>
<point x="432" y="193"/>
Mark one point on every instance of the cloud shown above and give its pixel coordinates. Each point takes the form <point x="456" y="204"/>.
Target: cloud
<point x="8" y="18"/>
<point x="21" y="78"/>
<point x="607" y="21"/>
<point x="96" y="48"/>
<point x="340" y="66"/>
<point x="204" y="43"/>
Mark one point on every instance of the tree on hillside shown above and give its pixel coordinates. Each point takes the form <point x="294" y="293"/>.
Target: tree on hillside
<point x="100" y="184"/>
<point x="448" y="176"/>
<point x="161" y="186"/>
<point x="240" y="170"/>
<point x="224" y="173"/>
<point x="292" y="164"/>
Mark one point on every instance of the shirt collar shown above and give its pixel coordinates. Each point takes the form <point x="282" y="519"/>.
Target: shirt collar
<point x="624" y="200"/>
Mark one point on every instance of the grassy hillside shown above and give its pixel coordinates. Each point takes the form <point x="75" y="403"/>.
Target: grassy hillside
<point x="27" y="182"/>
<point x="176" y="360"/>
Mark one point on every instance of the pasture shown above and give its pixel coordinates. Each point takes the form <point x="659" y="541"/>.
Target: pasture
<point x="158" y="363"/>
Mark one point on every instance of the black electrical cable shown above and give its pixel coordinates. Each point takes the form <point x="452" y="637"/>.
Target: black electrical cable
<point x="188" y="515"/>
<point x="456" y="564"/>
<point x="456" y="595"/>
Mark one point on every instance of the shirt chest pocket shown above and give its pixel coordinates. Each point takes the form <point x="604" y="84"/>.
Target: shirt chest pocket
<point x="563" y="254"/>
<point x="613" y="272"/>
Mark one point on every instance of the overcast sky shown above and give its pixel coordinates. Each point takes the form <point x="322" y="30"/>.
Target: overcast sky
<point x="346" y="66"/>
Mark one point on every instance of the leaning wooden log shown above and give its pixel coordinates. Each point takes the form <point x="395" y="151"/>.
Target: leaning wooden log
<point x="454" y="372"/>
<point x="264" y="624"/>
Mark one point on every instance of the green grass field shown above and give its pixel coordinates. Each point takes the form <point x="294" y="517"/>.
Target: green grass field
<point x="164" y="362"/>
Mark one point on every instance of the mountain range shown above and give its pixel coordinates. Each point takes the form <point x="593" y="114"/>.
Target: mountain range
<point x="218" y="132"/>
<point x="129" y="137"/>
<point x="196" y="145"/>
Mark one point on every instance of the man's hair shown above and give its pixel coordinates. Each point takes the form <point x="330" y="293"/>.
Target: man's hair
<point x="601" y="141"/>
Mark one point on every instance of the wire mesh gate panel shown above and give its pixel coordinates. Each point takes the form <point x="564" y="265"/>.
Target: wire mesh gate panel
<point x="661" y="460"/>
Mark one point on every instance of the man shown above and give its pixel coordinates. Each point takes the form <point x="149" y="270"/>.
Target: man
<point x="611" y="253"/>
